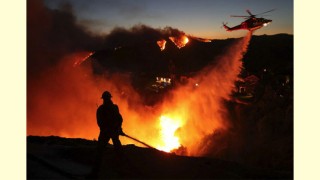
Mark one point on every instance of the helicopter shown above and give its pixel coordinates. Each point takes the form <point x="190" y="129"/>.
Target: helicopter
<point x="251" y="23"/>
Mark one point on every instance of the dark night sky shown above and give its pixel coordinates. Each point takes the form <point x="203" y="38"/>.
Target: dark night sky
<point x="202" y="18"/>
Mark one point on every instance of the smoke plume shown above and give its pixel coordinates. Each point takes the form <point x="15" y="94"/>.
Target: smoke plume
<point x="139" y="34"/>
<point x="51" y="34"/>
<point x="62" y="97"/>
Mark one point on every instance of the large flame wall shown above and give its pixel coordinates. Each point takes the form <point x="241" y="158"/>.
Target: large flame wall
<point x="63" y="102"/>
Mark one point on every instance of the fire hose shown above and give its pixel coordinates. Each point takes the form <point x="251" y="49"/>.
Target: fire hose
<point x="130" y="137"/>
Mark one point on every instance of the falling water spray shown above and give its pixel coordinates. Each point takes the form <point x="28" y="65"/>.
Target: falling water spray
<point x="201" y="108"/>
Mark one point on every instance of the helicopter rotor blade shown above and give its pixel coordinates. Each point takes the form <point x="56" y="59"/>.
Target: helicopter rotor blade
<point x="252" y="15"/>
<point x="239" y="16"/>
<point x="249" y="12"/>
<point x="266" y="12"/>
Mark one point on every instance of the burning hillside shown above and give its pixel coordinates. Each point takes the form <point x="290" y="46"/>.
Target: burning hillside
<point x="180" y="41"/>
<point x="166" y="126"/>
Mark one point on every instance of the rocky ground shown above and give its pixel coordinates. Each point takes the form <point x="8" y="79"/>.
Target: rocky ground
<point x="65" y="158"/>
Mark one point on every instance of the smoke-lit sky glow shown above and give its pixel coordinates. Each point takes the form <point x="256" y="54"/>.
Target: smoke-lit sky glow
<point x="201" y="18"/>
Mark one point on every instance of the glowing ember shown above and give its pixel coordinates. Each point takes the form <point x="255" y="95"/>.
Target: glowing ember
<point x="162" y="44"/>
<point x="168" y="128"/>
<point x="185" y="40"/>
<point x="80" y="59"/>
<point x="180" y="41"/>
<point x="202" y="39"/>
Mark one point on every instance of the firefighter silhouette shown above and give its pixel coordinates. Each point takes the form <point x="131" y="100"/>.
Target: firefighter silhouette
<point x="109" y="121"/>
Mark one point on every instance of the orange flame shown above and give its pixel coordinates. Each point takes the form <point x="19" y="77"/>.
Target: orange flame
<point x="162" y="44"/>
<point x="180" y="41"/>
<point x="168" y="128"/>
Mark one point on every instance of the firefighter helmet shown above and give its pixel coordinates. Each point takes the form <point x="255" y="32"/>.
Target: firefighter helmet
<point x="106" y="95"/>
